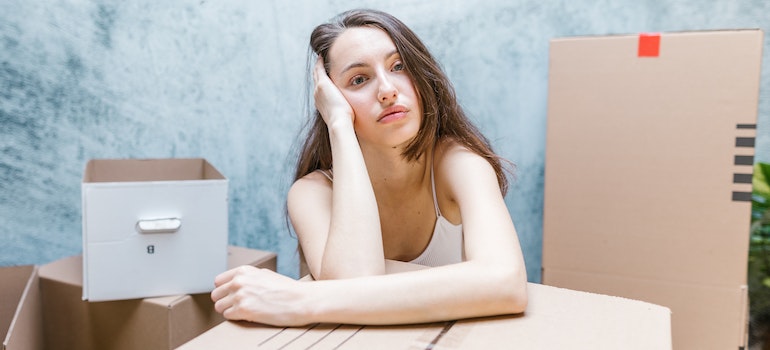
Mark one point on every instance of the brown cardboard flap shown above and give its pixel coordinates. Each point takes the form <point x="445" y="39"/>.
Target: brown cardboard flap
<point x="25" y="325"/>
<point x="15" y="280"/>
<point x="237" y="256"/>
<point x="705" y="317"/>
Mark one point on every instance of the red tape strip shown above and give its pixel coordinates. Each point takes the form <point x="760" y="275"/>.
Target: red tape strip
<point x="649" y="45"/>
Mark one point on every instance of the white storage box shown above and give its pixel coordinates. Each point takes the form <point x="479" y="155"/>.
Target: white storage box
<point x="152" y="227"/>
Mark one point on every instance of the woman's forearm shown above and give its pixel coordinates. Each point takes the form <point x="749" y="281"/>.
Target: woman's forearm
<point x="464" y="290"/>
<point x="354" y="244"/>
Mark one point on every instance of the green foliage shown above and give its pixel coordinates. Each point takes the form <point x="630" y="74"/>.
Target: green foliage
<point x="759" y="252"/>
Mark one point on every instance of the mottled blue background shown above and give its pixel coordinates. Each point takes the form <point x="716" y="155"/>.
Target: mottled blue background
<point x="226" y="80"/>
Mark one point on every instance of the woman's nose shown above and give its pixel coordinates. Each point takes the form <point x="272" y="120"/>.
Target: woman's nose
<point x="387" y="90"/>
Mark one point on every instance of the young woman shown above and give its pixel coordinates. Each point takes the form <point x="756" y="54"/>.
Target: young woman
<point x="392" y="172"/>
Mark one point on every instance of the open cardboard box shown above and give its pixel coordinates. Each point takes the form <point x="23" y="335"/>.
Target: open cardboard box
<point x="42" y="308"/>
<point x="648" y="174"/>
<point x="555" y="318"/>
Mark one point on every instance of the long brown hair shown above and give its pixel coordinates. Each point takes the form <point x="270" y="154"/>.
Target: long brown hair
<point x="442" y="115"/>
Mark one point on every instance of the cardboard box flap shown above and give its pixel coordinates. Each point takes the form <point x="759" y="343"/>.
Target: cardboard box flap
<point x="66" y="270"/>
<point x="20" y="310"/>
<point x="15" y="280"/>
<point x="705" y="317"/>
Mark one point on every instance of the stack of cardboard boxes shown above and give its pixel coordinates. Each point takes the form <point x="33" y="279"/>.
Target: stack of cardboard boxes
<point x="154" y="239"/>
<point x="42" y="308"/>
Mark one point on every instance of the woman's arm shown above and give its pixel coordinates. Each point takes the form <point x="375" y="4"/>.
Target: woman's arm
<point x="349" y="243"/>
<point x="468" y="289"/>
<point x="492" y="281"/>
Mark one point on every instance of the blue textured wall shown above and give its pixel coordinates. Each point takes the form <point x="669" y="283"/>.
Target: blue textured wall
<point x="226" y="81"/>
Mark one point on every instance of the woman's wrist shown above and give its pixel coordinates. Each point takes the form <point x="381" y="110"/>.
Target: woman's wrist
<point x="341" y="126"/>
<point x="312" y="303"/>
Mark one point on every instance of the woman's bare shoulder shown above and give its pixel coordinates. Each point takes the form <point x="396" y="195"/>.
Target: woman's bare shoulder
<point x="459" y="169"/>
<point x="451" y="154"/>
<point x="311" y="183"/>
<point x="318" y="177"/>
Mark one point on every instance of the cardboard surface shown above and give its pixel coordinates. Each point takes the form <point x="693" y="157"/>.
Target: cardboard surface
<point x="645" y="157"/>
<point x="152" y="227"/>
<point x="150" y="323"/>
<point x="20" y="314"/>
<point x="555" y="319"/>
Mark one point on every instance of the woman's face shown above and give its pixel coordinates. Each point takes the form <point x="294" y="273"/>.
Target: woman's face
<point x="365" y="65"/>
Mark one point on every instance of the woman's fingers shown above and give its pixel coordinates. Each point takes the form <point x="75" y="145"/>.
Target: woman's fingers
<point x="329" y="101"/>
<point x="258" y="295"/>
<point x="319" y="70"/>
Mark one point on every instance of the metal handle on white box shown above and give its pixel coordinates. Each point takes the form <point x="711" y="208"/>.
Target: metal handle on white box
<point x="168" y="225"/>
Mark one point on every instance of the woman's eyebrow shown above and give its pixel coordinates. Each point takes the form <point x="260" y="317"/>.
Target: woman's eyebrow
<point x="351" y="66"/>
<point x="361" y="64"/>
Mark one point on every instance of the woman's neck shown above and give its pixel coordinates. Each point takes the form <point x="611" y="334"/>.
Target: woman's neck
<point x="391" y="173"/>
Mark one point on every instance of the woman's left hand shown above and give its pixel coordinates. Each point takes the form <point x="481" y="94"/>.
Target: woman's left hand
<point x="259" y="295"/>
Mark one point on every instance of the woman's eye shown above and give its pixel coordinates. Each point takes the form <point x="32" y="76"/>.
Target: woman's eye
<point x="398" y="67"/>
<point x="358" y="80"/>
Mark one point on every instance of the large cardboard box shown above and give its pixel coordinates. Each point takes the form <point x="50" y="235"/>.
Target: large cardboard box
<point x="555" y="319"/>
<point x="20" y="314"/>
<point x="152" y="227"/>
<point x="648" y="174"/>
<point x="150" y="323"/>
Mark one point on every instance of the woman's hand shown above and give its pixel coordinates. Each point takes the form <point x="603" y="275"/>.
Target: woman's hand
<point x="328" y="99"/>
<point x="259" y="295"/>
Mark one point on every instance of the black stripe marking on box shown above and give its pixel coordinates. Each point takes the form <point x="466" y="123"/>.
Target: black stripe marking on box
<point x="744" y="160"/>
<point x="742" y="178"/>
<point x="741" y="196"/>
<point x="746" y="126"/>
<point x="744" y="142"/>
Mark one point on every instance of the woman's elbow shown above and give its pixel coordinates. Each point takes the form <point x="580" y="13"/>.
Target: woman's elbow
<point x="518" y="299"/>
<point x="513" y="291"/>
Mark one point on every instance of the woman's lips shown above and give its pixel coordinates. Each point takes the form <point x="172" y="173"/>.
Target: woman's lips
<point x="392" y="114"/>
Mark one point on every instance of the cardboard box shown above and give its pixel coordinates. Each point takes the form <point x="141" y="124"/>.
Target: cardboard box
<point x="152" y="227"/>
<point x="555" y="319"/>
<point x="648" y="174"/>
<point x="151" y="323"/>
<point x="20" y="314"/>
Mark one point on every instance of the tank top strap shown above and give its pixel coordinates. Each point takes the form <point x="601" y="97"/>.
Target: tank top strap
<point x="433" y="188"/>
<point x="328" y="173"/>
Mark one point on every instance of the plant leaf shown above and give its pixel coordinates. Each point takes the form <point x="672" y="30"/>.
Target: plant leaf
<point x="760" y="184"/>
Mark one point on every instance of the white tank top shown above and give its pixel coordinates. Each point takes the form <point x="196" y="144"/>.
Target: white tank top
<point x="446" y="244"/>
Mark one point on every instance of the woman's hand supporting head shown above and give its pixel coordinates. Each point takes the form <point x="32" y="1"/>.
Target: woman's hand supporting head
<point x="329" y="101"/>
